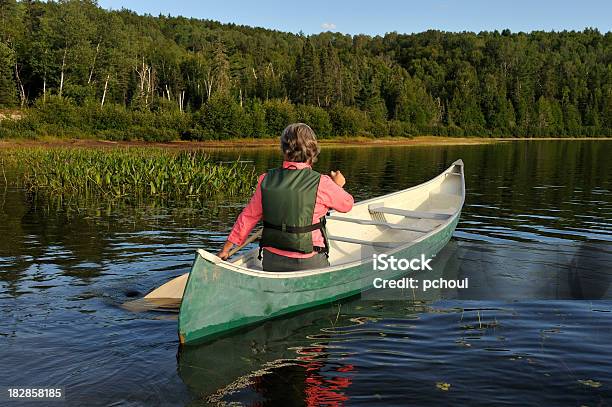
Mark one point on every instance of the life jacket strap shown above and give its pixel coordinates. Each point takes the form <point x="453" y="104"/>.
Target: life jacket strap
<point x="323" y="222"/>
<point x="294" y="229"/>
<point x="302" y="229"/>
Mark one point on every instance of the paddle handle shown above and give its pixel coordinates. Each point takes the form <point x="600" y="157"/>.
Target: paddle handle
<point x="251" y="239"/>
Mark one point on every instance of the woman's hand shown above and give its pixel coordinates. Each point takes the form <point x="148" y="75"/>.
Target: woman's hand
<point x="338" y="178"/>
<point x="224" y="253"/>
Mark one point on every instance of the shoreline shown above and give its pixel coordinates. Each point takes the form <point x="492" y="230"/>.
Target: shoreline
<point x="251" y="143"/>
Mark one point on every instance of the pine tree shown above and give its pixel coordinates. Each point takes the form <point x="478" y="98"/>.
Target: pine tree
<point x="545" y="116"/>
<point x="309" y="74"/>
<point x="8" y="87"/>
<point x="331" y="76"/>
<point x="221" y="70"/>
<point x="571" y="115"/>
<point x="8" y="20"/>
<point x="606" y="113"/>
<point x="464" y="107"/>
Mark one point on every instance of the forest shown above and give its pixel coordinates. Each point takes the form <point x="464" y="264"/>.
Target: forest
<point x="72" y="69"/>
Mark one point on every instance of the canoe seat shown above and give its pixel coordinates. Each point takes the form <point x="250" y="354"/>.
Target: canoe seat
<point x="388" y="245"/>
<point x="380" y="223"/>
<point x="375" y="209"/>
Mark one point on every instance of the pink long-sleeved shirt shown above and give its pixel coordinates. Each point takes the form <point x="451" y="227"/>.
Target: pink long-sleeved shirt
<point x="329" y="196"/>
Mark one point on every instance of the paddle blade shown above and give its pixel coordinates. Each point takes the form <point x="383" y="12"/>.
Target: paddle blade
<point x="172" y="289"/>
<point x="154" y="304"/>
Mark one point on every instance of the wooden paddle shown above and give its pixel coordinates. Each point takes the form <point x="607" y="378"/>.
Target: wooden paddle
<point x="250" y="240"/>
<point x="175" y="287"/>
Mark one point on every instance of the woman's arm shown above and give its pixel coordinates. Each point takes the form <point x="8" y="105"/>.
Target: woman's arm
<point x="331" y="193"/>
<point x="248" y="218"/>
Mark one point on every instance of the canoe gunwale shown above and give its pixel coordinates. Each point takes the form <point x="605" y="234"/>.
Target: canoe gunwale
<point x="228" y="266"/>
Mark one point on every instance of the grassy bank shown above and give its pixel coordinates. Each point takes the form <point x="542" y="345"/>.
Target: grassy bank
<point x="253" y="143"/>
<point x="126" y="172"/>
<point x="240" y="143"/>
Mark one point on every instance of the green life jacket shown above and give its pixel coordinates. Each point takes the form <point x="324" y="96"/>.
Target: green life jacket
<point x="288" y="201"/>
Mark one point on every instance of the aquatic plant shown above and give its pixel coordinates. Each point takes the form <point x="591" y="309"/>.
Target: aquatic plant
<point x="133" y="172"/>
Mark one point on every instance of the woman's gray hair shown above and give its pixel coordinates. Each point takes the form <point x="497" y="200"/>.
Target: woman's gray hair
<point x="299" y="143"/>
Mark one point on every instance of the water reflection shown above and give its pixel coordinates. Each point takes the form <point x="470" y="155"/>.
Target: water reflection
<point x="395" y="352"/>
<point x="524" y="271"/>
<point x="279" y="361"/>
<point x="535" y="232"/>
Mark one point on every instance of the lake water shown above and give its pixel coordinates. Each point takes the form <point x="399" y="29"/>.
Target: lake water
<point x="533" y="328"/>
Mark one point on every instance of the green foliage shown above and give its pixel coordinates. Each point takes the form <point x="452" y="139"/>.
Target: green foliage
<point x="317" y="118"/>
<point x="112" y="117"/>
<point x="279" y="114"/>
<point x="8" y="87"/>
<point x="129" y="173"/>
<point x="414" y="105"/>
<point x="401" y="129"/>
<point x="58" y="112"/>
<point x="256" y="122"/>
<point x="61" y="117"/>
<point x="222" y="117"/>
<point x="349" y="121"/>
<point x="200" y="79"/>
<point x="172" y="122"/>
<point x="27" y="127"/>
<point x="309" y="74"/>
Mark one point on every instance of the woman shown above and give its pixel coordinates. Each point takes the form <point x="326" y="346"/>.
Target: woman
<point x="292" y="202"/>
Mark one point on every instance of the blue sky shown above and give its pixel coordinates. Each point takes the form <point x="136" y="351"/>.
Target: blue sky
<point x="379" y="16"/>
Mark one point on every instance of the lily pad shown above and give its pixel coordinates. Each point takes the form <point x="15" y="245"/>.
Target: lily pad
<point x="590" y="383"/>
<point x="443" y="386"/>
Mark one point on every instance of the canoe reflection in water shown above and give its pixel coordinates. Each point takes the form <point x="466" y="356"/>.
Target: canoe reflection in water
<point x="279" y="361"/>
<point x="309" y="379"/>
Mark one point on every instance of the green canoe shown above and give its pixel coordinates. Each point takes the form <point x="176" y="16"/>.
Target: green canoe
<point x="219" y="296"/>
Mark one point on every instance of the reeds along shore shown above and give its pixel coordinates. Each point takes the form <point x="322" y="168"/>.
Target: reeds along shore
<point x="127" y="172"/>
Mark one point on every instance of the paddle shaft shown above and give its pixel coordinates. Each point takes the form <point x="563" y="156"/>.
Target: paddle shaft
<point x="175" y="287"/>
<point x="251" y="239"/>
